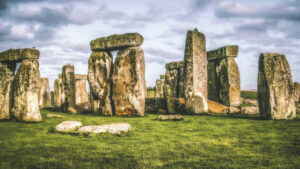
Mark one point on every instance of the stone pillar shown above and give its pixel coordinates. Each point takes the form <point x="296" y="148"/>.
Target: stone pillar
<point x="26" y="88"/>
<point x="45" y="94"/>
<point x="223" y="76"/>
<point x="297" y="92"/>
<point x="275" y="87"/>
<point x="99" y="77"/>
<point x="129" y="85"/>
<point x="159" y="87"/>
<point x="81" y="92"/>
<point x="57" y="92"/>
<point x="7" y="73"/>
<point x="173" y="87"/>
<point x="195" y="73"/>
<point x="68" y="83"/>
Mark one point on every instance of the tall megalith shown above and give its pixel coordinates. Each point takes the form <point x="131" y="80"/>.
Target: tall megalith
<point x="57" y="92"/>
<point x="68" y="83"/>
<point x="45" y="93"/>
<point x="81" y="94"/>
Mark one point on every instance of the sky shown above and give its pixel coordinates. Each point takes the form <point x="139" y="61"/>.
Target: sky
<point x="62" y="30"/>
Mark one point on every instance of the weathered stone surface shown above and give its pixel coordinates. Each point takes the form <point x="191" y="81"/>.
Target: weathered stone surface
<point x="214" y="107"/>
<point x="68" y="83"/>
<point x="26" y="88"/>
<point x="251" y="102"/>
<point x="275" y="87"/>
<point x="99" y="77"/>
<point x="297" y="91"/>
<point x="250" y="110"/>
<point x="19" y="54"/>
<point x="7" y="71"/>
<point x="50" y="115"/>
<point x="153" y="105"/>
<point x="176" y="105"/>
<point x="171" y="85"/>
<point x="45" y="93"/>
<point x="195" y="72"/>
<point x="223" y="52"/>
<point x="81" y="94"/>
<point x="66" y="126"/>
<point x="174" y="65"/>
<point x="172" y="117"/>
<point x="159" y="87"/>
<point x="57" y="92"/>
<point x="129" y="85"/>
<point x="232" y="110"/>
<point x="114" y="128"/>
<point x="117" y="42"/>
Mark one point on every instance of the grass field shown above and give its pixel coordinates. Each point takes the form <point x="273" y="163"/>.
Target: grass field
<point x="202" y="141"/>
<point x="248" y="94"/>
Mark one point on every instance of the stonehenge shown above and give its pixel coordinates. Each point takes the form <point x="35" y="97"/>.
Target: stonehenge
<point x="275" y="87"/>
<point x="68" y="90"/>
<point x="81" y="94"/>
<point x="173" y="86"/>
<point x="297" y="92"/>
<point x="45" y="94"/>
<point x="159" y="87"/>
<point x="57" y="92"/>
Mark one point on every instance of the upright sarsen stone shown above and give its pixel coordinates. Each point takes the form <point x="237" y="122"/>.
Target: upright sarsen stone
<point x="297" y="92"/>
<point x="7" y="71"/>
<point x="81" y="94"/>
<point x="195" y="72"/>
<point x="45" y="94"/>
<point x="129" y="85"/>
<point x="26" y="87"/>
<point x="68" y="83"/>
<point x="159" y="87"/>
<point x="99" y="77"/>
<point x="57" y="92"/>
<point x="275" y="87"/>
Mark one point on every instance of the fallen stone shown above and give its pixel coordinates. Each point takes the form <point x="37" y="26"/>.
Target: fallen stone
<point x="173" y="117"/>
<point x="50" y="115"/>
<point x="223" y="52"/>
<point x="117" y="42"/>
<point x="7" y="71"/>
<point x="99" y="78"/>
<point x="232" y="110"/>
<point x="251" y="102"/>
<point x="66" y="126"/>
<point x="249" y="110"/>
<point x="68" y="81"/>
<point x="129" y="85"/>
<point x="57" y="92"/>
<point x="114" y="128"/>
<point x="45" y="93"/>
<point x="275" y="87"/>
<point x="214" y="107"/>
<point x="26" y="86"/>
<point x="17" y="55"/>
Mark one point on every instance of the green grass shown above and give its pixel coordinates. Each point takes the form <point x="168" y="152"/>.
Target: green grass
<point x="249" y="94"/>
<point x="203" y="141"/>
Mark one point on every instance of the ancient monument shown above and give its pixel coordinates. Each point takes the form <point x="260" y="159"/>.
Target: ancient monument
<point x="68" y="90"/>
<point x="297" y="92"/>
<point x="81" y="94"/>
<point x="159" y="87"/>
<point x="195" y="73"/>
<point x="45" y="94"/>
<point x="58" y="92"/>
<point x="19" y="94"/>
<point x="223" y="76"/>
<point x="275" y="87"/>
<point x="173" y="86"/>
<point x="118" y="88"/>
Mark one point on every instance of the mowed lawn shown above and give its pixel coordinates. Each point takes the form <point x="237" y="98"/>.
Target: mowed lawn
<point x="199" y="141"/>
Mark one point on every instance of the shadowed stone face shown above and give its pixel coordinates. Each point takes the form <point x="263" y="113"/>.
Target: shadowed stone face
<point x="19" y="54"/>
<point x="81" y="93"/>
<point x="45" y="94"/>
<point x="297" y="92"/>
<point x="26" y="87"/>
<point x="57" y="92"/>
<point x="129" y="86"/>
<point x="7" y="71"/>
<point x="275" y="87"/>
<point x="68" y="83"/>
<point x="195" y="72"/>
<point x="159" y="87"/>
<point x="99" y="77"/>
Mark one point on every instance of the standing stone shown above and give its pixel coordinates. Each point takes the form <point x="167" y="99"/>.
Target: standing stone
<point x="57" y="92"/>
<point x="159" y="87"/>
<point x="45" y="94"/>
<point x="129" y="85"/>
<point x="26" y="87"/>
<point x="275" y="87"/>
<point x="7" y="71"/>
<point x="81" y="94"/>
<point x="99" y="77"/>
<point x="297" y="92"/>
<point x="68" y="81"/>
<point x="195" y="72"/>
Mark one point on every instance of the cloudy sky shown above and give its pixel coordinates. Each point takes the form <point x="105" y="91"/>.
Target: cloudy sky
<point x="62" y="30"/>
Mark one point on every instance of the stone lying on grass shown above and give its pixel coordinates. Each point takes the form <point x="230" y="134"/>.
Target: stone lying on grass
<point x="232" y="110"/>
<point x="50" y="115"/>
<point x="249" y="110"/>
<point x="174" y="117"/>
<point x="214" y="107"/>
<point x="68" y="126"/>
<point x="251" y="102"/>
<point x="114" y="128"/>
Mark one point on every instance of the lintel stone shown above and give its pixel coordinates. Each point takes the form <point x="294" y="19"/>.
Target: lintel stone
<point x="18" y="55"/>
<point x="225" y="51"/>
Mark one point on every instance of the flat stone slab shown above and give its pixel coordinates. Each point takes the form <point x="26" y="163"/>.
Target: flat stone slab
<point x="80" y="77"/>
<point x="117" y="42"/>
<point x="226" y="51"/>
<point x="174" y="65"/>
<point x="250" y="110"/>
<point x="232" y="110"/>
<point x="251" y="102"/>
<point x="173" y="117"/>
<point x="114" y="128"/>
<point x="50" y="115"/>
<point x="19" y="54"/>
<point x="214" y="107"/>
<point x="68" y="126"/>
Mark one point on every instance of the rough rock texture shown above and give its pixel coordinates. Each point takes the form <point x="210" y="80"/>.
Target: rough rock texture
<point x="81" y="94"/>
<point x="232" y="110"/>
<point x="297" y="92"/>
<point x="195" y="72"/>
<point x="153" y="105"/>
<point x="68" y="83"/>
<point x="173" y="117"/>
<point x="45" y="93"/>
<point x="250" y="110"/>
<point x="68" y="126"/>
<point x="26" y="88"/>
<point x="129" y="85"/>
<point x="173" y="87"/>
<point x="223" y="76"/>
<point x="214" y="107"/>
<point x="99" y="77"/>
<point x="159" y="87"/>
<point x="50" y="115"/>
<point x="114" y="128"/>
<point x="117" y="42"/>
<point x="19" y="54"/>
<point x="57" y="92"/>
<point x="251" y="102"/>
<point x="176" y="105"/>
<point x="275" y="87"/>
<point x="7" y="71"/>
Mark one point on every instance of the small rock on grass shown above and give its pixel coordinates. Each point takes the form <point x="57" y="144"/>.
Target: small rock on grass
<point x="174" y="117"/>
<point x="50" y="115"/>
<point x="114" y="128"/>
<point x="66" y="126"/>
